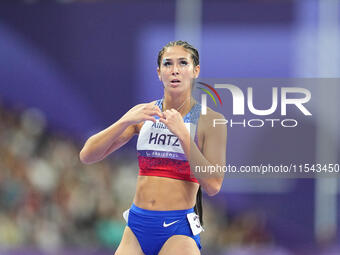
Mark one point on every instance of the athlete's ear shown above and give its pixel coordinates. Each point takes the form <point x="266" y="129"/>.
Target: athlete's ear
<point x="197" y="71"/>
<point x="159" y="74"/>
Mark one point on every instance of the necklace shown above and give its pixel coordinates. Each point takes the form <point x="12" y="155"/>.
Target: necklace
<point x="179" y="106"/>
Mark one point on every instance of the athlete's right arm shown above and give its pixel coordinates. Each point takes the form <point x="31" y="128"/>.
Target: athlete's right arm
<point x="98" y="146"/>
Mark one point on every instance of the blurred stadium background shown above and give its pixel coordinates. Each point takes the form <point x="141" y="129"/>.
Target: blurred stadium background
<point x="68" y="69"/>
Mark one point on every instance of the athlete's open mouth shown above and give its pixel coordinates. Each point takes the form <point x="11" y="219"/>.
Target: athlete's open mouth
<point x="174" y="81"/>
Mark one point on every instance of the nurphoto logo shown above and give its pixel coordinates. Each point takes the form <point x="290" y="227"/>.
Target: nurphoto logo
<point x="239" y="98"/>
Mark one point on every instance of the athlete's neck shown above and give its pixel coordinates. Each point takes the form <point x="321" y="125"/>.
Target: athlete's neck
<point x="180" y="103"/>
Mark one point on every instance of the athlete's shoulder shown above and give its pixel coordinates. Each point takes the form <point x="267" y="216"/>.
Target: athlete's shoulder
<point x="207" y="127"/>
<point x="211" y="115"/>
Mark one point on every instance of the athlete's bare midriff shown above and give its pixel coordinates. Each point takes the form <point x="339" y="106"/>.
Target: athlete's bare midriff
<point x="162" y="193"/>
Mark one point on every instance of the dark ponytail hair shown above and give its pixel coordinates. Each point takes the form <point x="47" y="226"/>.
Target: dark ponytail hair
<point x="198" y="207"/>
<point x="196" y="60"/>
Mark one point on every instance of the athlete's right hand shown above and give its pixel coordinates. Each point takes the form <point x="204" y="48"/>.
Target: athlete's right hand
<point x="142" y="112"/>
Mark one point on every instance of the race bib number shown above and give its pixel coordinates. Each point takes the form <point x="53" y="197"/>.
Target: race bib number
<point x="195" y="224"/>
<point x="126" y="215"/>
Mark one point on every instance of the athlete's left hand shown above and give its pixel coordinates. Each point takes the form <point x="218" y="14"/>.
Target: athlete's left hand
<point x="174" y="121"/>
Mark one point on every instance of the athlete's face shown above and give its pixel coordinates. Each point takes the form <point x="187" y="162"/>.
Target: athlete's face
<point x="177" y="69"/>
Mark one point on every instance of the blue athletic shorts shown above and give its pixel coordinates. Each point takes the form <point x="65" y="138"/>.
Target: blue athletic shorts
<point x="153" y="228"/>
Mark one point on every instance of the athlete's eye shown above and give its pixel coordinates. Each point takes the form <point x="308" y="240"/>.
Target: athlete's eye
<point x="167" y="63"/>
<point x="184" y="63"/>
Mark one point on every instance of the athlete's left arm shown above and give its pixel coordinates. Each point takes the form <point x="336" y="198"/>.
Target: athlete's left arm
<point x="213" y="155"/>
<point x="207" y="166"/>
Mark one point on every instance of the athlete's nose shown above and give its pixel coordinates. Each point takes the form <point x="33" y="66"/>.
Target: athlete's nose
<point x="175" y="69"/>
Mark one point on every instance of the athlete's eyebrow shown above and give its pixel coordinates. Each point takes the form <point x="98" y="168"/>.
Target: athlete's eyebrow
<point x="170" y="59"/>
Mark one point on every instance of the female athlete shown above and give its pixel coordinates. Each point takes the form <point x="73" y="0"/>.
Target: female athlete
<point x="173" y="138"/>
